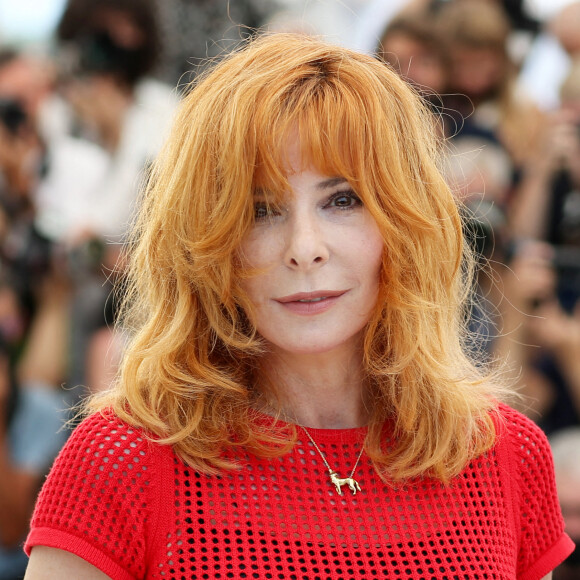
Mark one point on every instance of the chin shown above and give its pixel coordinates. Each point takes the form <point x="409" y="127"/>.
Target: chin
<point x="317" y="345"/>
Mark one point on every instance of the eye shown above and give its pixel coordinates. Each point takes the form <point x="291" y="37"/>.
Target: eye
<point x="344" y="200"/>
<point x="260" y="210"/>
<point x="264" y="210"/>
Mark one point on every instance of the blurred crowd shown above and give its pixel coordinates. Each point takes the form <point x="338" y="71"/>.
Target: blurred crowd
<point x="81" y="122"/>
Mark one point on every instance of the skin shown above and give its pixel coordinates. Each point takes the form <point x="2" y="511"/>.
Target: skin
<point x="475" y="71"/>
<point x="52" y="564"/>
<point x="28" y="80"/>
<point x="18" y="486"/>
<point x="415" y="61"/>
<point x="324" y="244"/>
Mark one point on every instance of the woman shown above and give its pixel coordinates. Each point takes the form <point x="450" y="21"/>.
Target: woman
<point x="296" y="401"/>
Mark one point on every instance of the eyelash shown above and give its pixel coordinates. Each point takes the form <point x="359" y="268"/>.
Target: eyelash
<point x="264" y="210"/>
<point x="348" y="194"/>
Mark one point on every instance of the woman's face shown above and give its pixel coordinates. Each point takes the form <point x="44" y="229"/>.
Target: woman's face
<point x="416" y="62"/>
<point x="320" y="258"/>
<point x="477" y="72"/>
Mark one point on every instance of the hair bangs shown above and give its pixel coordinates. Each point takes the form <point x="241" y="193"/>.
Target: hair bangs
<point x="332" y="128"/>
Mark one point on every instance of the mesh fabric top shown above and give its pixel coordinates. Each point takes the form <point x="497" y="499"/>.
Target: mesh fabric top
<point x="134" y="510"/>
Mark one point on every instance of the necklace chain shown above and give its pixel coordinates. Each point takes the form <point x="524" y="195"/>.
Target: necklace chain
<point x="337" y="481"/>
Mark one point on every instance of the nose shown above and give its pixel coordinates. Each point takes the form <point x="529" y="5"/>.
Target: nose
<point x="306" y="245"/>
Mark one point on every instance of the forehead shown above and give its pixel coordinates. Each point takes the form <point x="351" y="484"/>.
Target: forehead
<point x="293" y="156"/>
<point x="298" y="152"/>
<point x="302" y="180"/>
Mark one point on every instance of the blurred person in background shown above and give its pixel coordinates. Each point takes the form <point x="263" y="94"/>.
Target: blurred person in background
<point x="481" y="89"/>
<point x="376" y="17"/>
<point x="47" y="194"/>
<point x="546" y="214"/>
<point x="31" y="421"/>
<point x="56" y="171"/>
<point x="565" y="445"/>
<point x="377" y="14"/>
<point x="412" y="45"/>
<point x="30" y="78"/>
<point x="479" y="172"/>
<point x="112" y="48"/>
<point x="548" y="206"/>
<point x="537" y="338"/>
<point x="549" y="59"/>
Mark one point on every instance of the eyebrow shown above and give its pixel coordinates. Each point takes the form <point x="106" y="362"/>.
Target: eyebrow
<point x="331" y="182"/>
<point x="325" y="184"/>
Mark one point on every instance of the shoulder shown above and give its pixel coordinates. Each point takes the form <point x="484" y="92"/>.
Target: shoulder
<point x="524" y="453"/>
<point x="524" y="458"/>
<point x="103" y="497"/>
<point x="102" y="437"/>
<point x="106" y="457"/>
<point x="520" y="430"/>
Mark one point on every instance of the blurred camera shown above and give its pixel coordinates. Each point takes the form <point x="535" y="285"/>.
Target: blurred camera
<point x="12" y="115"/>
<point x="567" y="265"/>
<point x="86" y="258"/>
<point x="98" y="53"/>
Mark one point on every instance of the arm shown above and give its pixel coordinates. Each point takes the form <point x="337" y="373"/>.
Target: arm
<point x="559" y="332"/>
<point x="45" y="356"/>
<point x="17" y="493"/>
<point x="559" y="149"/>
<point x="18" y="486"/>
<point x="51" y="563"/>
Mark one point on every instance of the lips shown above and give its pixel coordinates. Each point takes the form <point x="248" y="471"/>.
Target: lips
<point x="308" y="303"/>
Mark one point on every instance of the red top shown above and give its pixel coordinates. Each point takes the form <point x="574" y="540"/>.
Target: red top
<point x="134" y="510"/>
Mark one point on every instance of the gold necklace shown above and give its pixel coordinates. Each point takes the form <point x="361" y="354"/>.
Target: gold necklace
<point x="337" y="481"/>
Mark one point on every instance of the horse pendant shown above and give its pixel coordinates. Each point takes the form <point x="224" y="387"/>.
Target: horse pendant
<point x="340" y="481"/>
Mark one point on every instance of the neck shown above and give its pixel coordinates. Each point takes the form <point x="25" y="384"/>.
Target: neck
<point x="323" y="391"/>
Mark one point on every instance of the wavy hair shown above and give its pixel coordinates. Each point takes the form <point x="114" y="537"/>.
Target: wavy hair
<point x="189" y="372"/>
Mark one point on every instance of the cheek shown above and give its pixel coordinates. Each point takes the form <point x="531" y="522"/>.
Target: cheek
<point x="256" y="289"/>
<point x="259" y="249"/>
<point x="249" y="258"/>
<point x="257" y="257"/>
<point x="372" y="249"/>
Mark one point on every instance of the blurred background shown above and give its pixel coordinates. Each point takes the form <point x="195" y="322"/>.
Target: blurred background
<point x="32" y="22"/>
<point x="88" y="89"/>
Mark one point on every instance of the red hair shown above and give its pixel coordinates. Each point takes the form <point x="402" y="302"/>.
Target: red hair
<point x="189" y="371"/>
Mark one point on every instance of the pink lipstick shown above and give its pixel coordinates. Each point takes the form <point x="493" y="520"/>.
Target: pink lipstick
<point x="309" y="303"/>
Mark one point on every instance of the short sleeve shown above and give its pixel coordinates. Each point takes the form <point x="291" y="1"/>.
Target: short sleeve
<point x="543" y="545"/>
<point x="97" y="501"/>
